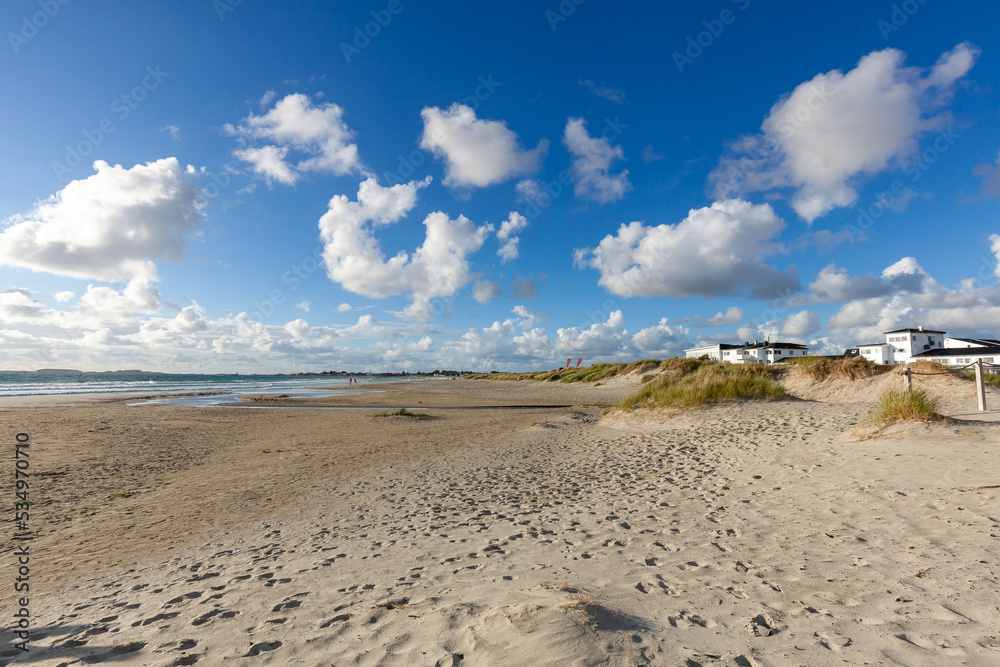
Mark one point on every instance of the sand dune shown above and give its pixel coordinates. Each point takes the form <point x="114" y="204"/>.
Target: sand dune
<point x="752" y="534"/>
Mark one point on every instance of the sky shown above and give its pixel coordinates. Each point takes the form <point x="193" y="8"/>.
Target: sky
<point x="240" y="186"/>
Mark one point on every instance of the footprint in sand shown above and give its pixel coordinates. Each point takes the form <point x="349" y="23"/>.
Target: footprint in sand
<point x="832" y="641"/>
<point x="934" y="644"/>
<point x="763" y="625"/>
<point x="686" y="620"/>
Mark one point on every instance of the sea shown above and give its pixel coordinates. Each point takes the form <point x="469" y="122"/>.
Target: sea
<point x="223" y="388"/>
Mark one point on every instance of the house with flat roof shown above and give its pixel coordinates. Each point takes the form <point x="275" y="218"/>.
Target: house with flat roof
<point x="748" y="353"/>
<point x="963" y="356"/>
<point x="970" y="342"/>
<point x="901" y="345"/>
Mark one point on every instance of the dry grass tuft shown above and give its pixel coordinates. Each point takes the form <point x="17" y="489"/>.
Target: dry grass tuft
<point x="820" y="368"/>
<point x="904" y="404"/>
<point x="688" y="383"/>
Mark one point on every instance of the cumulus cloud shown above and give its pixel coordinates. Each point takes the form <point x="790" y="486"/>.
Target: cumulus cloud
<point x="485" y="291"/>
<point x="304" y="305"/>
<point x="836" y="127"/>
<point x="317" y="132"/>
<point x="662" y="339"/>
<point x="109" y="226"/>
<point x="916" y="298"/>
<point x="716" y="250"/>
<point x="297" y="328"/>
<point x="508" y="236"/>
<point x="354" y="259"/>
<point x="800" y="325"/>
<point x="600" y="338"/>
<point x="63" y="297"/>
<point x="476" y="152"/>
<point x="733" y="315"/>
<point x="592" y="158"/>
<point x="834" y="285"/>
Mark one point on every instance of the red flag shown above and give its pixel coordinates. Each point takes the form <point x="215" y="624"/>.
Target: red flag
<point x="569" y="361"/>
<point x="578" y="361"/>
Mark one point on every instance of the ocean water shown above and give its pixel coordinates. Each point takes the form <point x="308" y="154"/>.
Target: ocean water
<point x="63" y="383"/>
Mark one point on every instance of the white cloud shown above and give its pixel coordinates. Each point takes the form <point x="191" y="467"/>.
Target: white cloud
<point x="297" y="328"/>
<point x="508" y="235"/>
<point x="714" y="251"/>
<point x="476" y="152"/>
<point x="604" y="91"/>
<point x="63" y="297"/>
<point x="733" y="315"/>
<point x="344" y="308"/>
<point x="304" y="305"/>
<point x="592" y="158"/>
<point x="532" y="191"/>
<point x="173" y="130"/>
<point x="354" y="259"/>
<point x="662" y="340"/>
<point x="916" y="298"/>
<point x="485" y="291"/>
<point x="601" y="338"/>
<point x="800" y="325"/>
<point x="109" y="226"/>
<point x="649" y="155"/>
<point x="316" y="131"/>
<point x="836" y="127"/>
<point x="528" y="316"/>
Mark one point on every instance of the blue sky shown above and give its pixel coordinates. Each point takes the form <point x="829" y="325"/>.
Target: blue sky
<point x="237" y="186"/>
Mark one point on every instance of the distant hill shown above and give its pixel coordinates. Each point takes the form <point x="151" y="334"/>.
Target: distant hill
<point x="57" y="371"/>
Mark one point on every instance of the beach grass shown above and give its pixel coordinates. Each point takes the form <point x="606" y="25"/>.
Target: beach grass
<point x="595" y="373"/>
<point x="991" y="379"/>
<point x="904" y="404"/>
<point x="691" y="383"/>
<point x="823" y="368"/>
<point x="403" y="412"/>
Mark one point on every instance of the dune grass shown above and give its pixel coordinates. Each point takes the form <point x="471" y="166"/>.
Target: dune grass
<point x="991" y="379"/>
<point x="403" y="412"/>
<point x="904" y="404"/>
<point x="690" y="383"/>
<point x="822" y="368"/>
<point x="595" y="373"/>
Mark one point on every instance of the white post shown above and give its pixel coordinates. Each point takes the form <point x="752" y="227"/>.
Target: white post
<point x="980" y="386"/>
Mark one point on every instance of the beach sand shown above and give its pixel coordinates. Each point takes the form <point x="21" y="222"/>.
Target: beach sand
<point x="503" y="532"/>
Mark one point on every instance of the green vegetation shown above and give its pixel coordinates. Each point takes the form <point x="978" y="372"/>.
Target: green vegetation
<point x="822" y="368"/>
<point x="688" y="383"/>
<point x="403" y="412"/>
<point x="991" y="379"/>
<point x="593" y="373"/>
<point x="898" y="404"/>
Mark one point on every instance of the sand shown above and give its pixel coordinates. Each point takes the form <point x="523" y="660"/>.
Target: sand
<point x="493" y="533"/>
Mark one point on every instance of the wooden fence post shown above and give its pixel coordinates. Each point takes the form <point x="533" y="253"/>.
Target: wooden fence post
<point x="907" y="379"/>
<point x="980" y="385"/>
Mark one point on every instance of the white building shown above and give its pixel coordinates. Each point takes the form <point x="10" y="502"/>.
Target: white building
<point x="901" y="345"/>
<point x="960" y="343"/>
<point x="963" y="356"/>
<point x="748" y="353"/>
